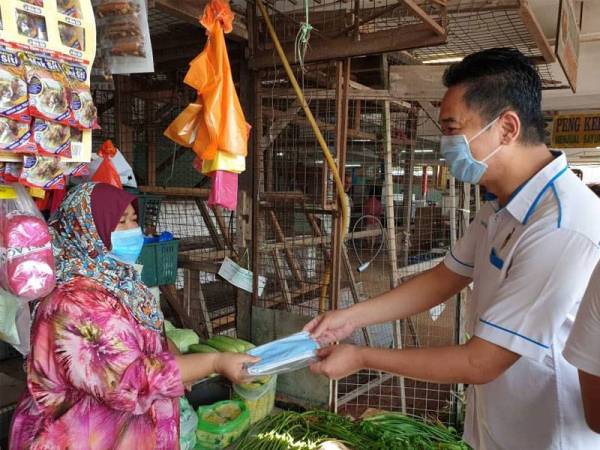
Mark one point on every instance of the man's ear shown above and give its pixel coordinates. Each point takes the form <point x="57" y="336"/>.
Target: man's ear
<point x="511" y="127"/>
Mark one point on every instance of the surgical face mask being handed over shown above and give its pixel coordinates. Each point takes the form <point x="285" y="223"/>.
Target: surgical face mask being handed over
<point x="457" y="152"/>
<point x="127" y="245"/>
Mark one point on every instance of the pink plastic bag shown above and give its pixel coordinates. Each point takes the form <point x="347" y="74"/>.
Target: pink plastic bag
<point x="224" y="190"/>
<point x="26" y="260"/>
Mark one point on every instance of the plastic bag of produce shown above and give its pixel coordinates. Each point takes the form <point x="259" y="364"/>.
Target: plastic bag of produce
<point x="284" y="355"/>
<point x="188" y="422"/>
<point x="221" y="424"/>
<point x="258" y="395"/>
<point x="26" y="260"/>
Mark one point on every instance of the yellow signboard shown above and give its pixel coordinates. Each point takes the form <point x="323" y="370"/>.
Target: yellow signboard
<point x="576" y="131"/>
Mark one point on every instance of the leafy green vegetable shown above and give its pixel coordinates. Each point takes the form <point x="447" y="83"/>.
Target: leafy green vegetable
<point x="183" y="338"/>
<point x="309" y="430"/>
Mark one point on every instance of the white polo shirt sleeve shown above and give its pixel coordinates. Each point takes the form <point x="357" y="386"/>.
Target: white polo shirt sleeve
<point x="583" y="347"/>
<point x="461" y="259"/>
<point x="541" y="285"/>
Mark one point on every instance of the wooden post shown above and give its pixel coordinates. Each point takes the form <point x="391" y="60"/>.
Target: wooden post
<point x="409" y="169"/>
<point x="390" y="219"/>
<point x="151" y="140"/>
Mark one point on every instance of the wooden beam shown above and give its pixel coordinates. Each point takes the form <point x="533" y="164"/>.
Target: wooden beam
<point x="191" y="10"/>
<point x="218" y="212"/>
<point x="536" y="31"/>
<point x="285" y="290"/>
<point x="423" y="82"/>
<point x="289" y="254"/>
<point x="329" y="94"/>
<point x="323" y="49"/>
<point x="172" y="297"/>
<point x="210" y="226"/>
<point x="424" y="17"/>
<point x="431" y="112"/>
<point x="280" y="124"/>
<point x="176" y="191"/>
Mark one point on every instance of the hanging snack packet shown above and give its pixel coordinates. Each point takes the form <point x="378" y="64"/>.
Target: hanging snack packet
<point x="69" y="8"/>
<point x="71" y="36"/>
<point x="75" y="169"/>
<point x="83" y="110"/>
<point x="12" y="172"/>
<point x="42" y="171"/>
<point x="284" y="355"/>
<point x="47" y="87"/>
<point x="52" y="139"/>
<point x="128" y="46"/>
<point x="14" y="102"/>
<point x="104" y="8"/>
<point x="15" y="136"/>
<point x="117" y="27"/>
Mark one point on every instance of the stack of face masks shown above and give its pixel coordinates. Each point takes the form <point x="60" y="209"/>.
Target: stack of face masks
<point x="284" y="355"/>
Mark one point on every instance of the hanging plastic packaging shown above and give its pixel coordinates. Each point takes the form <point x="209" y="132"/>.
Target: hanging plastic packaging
<point x="223" y="126"/>
<point x="224" y="161"/>
<point x="26" y="260"/>
<point x="188" y="422"/>
<point x="106" y="172"/>
<point x="52" y="139"/>
<point x="14" y="101"/>
<point x="224" y="190"/>
<point x="16" y="136"/>
<point x="284" y="355"/>
<point x="9" y="305"/>
<point x="43" y="172"/>
<point x="47" y="87"/>
<point x="183" y="129"/>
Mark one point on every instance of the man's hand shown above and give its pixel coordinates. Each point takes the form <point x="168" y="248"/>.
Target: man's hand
<point x="338" y="361"/>
<point x="333" y="326"/>
<point x="232" y="366"/>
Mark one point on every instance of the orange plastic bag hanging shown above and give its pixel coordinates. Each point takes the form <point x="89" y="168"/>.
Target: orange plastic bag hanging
<point x="106" y="172"/>
<point x="184" y="128"/>
<point x="223" y="126"/>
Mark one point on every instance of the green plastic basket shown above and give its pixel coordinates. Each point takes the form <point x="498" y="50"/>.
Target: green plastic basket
<point x="160" y="263"/>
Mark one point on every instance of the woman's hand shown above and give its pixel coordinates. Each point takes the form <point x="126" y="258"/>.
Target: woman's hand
<point x="232" y="366"/>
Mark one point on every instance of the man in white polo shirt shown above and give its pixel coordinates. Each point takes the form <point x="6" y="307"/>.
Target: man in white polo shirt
<point x="583" y="347"/>
<point x="529" y="252"/>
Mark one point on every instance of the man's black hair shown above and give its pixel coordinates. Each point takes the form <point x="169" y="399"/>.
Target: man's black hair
<point x="595" y="189"/>
<point x="501" y="79"/>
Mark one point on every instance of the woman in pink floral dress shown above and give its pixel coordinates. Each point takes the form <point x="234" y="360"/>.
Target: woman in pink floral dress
<point x="100" y="374"/>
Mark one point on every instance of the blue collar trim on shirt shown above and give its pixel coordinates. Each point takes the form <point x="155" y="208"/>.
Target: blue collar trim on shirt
<point x="550" y="184"/>
<point x="526" y="198"/>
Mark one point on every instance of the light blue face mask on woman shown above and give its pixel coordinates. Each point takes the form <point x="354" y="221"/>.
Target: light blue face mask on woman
<point x="127" y="245"/>
<point x="457" y="152"/>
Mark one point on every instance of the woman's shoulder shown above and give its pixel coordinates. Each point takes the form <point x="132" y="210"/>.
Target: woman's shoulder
<point x="81" y="292"/>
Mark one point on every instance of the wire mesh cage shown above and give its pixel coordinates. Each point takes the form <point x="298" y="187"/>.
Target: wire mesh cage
<point x="388" y="149"/>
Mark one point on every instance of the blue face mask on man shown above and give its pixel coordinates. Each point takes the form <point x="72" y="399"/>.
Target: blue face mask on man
<point x="127" y="245"/>
<point x="457" y="152"/>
